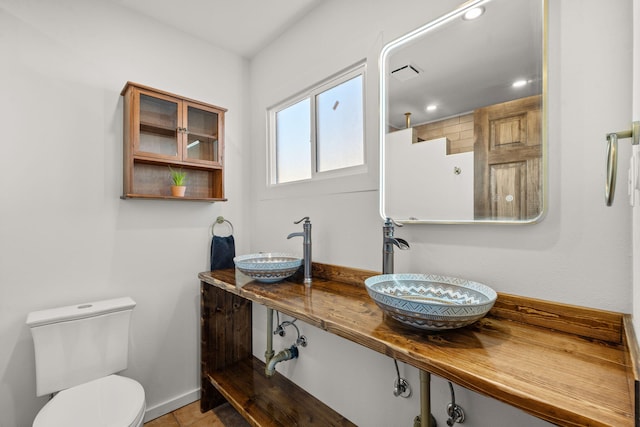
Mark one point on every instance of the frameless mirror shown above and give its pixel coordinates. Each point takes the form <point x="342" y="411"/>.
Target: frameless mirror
<point x="462" y="120"/>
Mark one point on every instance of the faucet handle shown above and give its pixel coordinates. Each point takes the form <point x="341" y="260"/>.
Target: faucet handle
<point x="391" y="221"/>
<point x="306" y="219"/>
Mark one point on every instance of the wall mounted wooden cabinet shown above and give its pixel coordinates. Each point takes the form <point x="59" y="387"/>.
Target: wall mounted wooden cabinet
<point x="163" y="130"/>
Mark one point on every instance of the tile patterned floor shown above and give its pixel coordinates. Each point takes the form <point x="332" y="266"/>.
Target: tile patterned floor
<point x="190" y="416"/>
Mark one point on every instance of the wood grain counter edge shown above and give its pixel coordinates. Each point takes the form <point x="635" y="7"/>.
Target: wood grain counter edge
<point x="589" y="323"/>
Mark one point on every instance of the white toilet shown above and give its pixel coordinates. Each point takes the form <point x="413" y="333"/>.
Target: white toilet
<point x="78" y="350"/>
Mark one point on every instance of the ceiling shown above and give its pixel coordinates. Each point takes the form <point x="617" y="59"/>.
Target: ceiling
<point x="240" y="26"/>
<point x="245" y="27"/>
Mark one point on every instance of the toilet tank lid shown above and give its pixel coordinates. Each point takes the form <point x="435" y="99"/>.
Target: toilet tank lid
<point x="79" y="311"/>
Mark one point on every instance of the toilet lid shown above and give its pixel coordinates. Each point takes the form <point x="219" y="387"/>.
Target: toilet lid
<point x="112" y="401"/>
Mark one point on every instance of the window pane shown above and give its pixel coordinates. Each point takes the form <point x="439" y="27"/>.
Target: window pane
<point x="340" y="126"/>
<point x="293" y="144"/>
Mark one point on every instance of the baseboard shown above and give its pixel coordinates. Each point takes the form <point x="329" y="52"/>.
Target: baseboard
<point x="171" y="405"/>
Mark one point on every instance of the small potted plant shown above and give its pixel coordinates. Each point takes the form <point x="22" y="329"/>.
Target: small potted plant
<point x="178" y="178"/>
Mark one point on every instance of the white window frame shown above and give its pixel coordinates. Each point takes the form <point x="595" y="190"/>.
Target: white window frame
<point x="311" y="93"/>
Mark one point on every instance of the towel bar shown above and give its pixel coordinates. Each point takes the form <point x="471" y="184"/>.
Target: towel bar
<point x="612" y="158"/>
<point x="221" y="220"/>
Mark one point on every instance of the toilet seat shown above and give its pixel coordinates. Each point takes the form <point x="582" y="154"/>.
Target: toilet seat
<point x="112" y="401"/>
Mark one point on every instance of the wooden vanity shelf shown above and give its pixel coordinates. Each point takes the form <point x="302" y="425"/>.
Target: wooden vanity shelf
<point x="571" y="366"/>
<point x="230" y="373"/>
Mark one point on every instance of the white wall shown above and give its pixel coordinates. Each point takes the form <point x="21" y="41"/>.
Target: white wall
<point x="65" y="234"/>
<point x="636" y="179"/>
<point x="578" y="254"/>
<point x="412" y="169"/>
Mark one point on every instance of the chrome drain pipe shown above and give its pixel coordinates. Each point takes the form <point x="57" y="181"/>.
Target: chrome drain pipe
<point x="286" y="354"/>
<point x="270" y="358"/>
<point x="268" y="354"/>
<point x="425" y="399"/>
<point x="425" y="419"/>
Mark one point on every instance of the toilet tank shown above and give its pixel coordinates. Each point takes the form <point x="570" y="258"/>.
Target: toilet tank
<point x="80" y="343"/>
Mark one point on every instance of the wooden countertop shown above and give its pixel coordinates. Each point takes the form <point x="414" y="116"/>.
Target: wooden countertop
<point x="569" y="365"/>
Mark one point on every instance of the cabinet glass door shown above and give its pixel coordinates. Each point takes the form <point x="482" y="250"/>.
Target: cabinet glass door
<point x="202" y="135"/>
<point x="158" y="126"/>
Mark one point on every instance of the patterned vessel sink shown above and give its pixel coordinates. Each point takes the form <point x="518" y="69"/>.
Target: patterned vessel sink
<point x="431" y="302"/>
<point x="268" y="267"/>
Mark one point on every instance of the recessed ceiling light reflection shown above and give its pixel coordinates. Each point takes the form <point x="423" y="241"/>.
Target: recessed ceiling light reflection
<point x="519" y="83"/>
<point x="432" y="108"/>
<point x="474" y="13"/>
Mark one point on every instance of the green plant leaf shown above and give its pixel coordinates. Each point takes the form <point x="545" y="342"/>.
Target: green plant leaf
<point x="178" y="176"/>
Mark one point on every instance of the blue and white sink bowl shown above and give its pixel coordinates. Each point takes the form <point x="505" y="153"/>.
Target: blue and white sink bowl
<point x="268" y="267"/>
<point x="431" y="302"/>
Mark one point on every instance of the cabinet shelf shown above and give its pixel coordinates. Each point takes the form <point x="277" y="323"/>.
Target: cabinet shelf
<point x="230" y="373"/>
<point x="151" y="180"/>
<point x="155" y="129"/>
<point x="274" y="401"/>
<point x="185" y="198"/>
<point x="140" y="158"/>
<point x="202" y="135"/>
<point x="157" y="136"/>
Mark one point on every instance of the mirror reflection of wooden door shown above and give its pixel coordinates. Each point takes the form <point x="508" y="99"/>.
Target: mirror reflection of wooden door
<point x="508" y="160"/>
